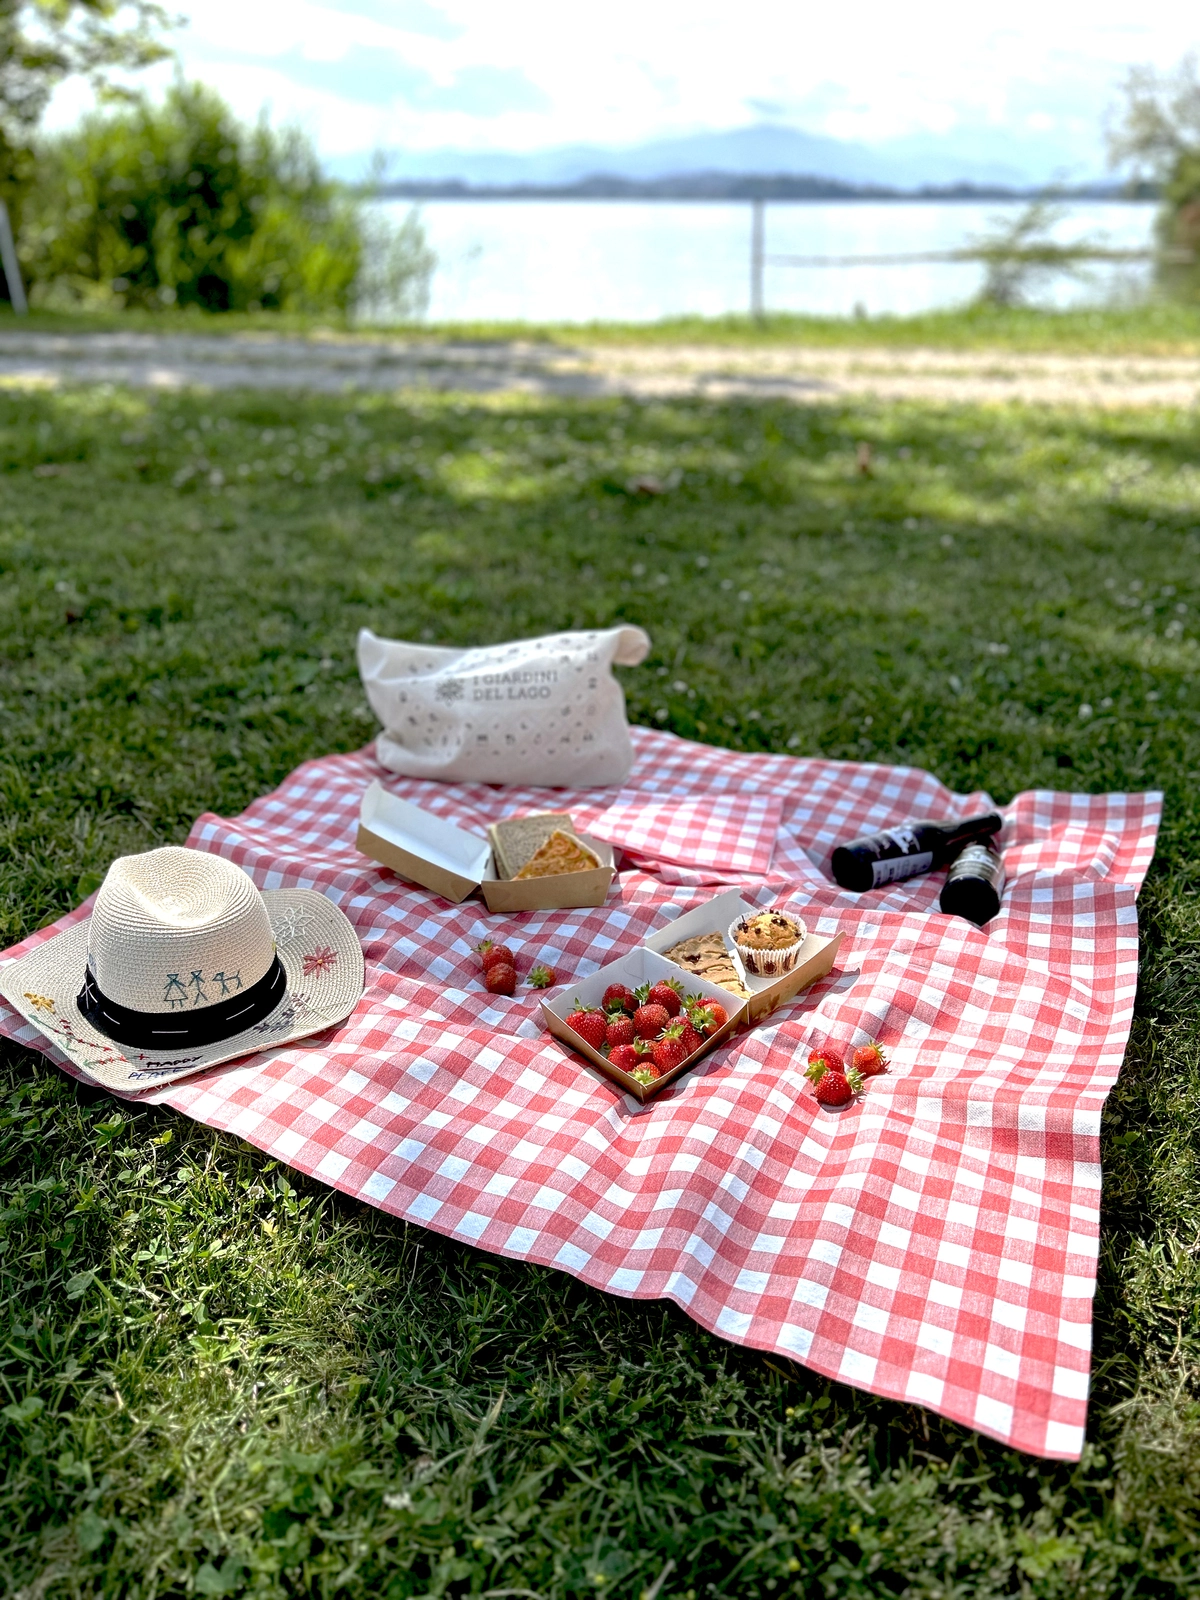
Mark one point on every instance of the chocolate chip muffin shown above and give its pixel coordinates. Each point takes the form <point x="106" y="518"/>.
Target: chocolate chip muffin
<point x="769" y="942"/>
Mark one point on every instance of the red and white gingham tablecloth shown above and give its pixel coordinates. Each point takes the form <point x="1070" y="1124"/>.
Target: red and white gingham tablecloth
<point x="934" y="1242"/>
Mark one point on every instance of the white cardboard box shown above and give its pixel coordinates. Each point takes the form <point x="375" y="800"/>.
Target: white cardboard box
<point x="816" y="956"/>
<point x="454" y="863"/>
<point x="638" y="967"/>
<point x="648" y="963"/>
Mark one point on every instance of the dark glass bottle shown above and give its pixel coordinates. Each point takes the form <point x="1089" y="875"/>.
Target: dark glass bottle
<point x="974" y="884"/>
<point x="906" y="850"/>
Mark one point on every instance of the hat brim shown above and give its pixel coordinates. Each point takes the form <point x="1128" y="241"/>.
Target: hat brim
<point x="318" y="949"/>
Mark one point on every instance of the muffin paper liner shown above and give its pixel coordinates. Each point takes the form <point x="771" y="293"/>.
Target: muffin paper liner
<point x="768" y="963"/>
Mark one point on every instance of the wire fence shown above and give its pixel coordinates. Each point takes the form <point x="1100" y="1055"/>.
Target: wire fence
<point x="1001" y="256"/>
<point x="1057" y="255"/>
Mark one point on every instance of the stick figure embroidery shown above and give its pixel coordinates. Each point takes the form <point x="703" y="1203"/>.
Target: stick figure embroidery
<point x="320" y="961"/>
<point x="175" y="994"/>
<point x="230" y="982"/>
<point x="39" y="1002"/>
<point x="196" y="982"/>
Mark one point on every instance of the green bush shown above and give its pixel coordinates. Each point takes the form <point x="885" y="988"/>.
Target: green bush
<point x="181" y="204"/>
<point x="1179" y="229"/>
<point x="1155" y="136"/>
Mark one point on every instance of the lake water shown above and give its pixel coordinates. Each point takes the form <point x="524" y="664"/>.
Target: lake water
<point x="631" y="261"/>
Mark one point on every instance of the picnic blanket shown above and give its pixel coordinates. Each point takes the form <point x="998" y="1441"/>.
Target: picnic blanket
<point x="935" y="1241"/>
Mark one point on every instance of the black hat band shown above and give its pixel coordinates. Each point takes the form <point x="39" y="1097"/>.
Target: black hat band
<point x="169" y="1030"/>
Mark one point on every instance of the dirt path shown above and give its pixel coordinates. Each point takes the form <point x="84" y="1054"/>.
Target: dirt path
<point x="331" y="363"/>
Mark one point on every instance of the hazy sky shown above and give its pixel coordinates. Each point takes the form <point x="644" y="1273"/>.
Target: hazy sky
<point x="524" y="74"/>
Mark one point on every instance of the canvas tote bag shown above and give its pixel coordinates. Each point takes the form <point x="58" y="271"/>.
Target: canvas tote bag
<point x="536" y="711"/>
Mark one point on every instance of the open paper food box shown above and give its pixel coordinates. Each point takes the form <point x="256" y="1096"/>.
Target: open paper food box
<point x="648" y="963"/>
<point x="455" y="863"/>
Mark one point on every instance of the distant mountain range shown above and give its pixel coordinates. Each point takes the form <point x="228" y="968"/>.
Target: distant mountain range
<point x="737" y="186"/>
<point x="983" y="157"/>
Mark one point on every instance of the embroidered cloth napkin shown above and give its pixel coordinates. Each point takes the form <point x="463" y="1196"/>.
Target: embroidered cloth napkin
<point x="732" y="833"/>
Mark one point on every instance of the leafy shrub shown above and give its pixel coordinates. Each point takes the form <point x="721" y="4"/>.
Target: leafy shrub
<point x="1021" y="255"/>
<point x="43" y="44"/>
<point x="397" y="265"/>
<point x="181" y="204"/>
<point x="1179" y="229"/>
<point x="1155" y="134"/>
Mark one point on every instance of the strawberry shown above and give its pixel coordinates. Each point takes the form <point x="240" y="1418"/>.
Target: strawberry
<point x="500" y="979"/>
<point x="645" y="1076"/>
<point x="495" y="955"/>
<point x="709" y="1017"/>
<point x="625" y="1057"/>
<point x="619" y="1030"/>
<point x="829" y="1058"/>
<point x="691" y="1039"/>
<point x="649" y="1021"/>
<point x="831" y="1086"/>
<point x="589" y="1023"/>
<point x="619" y="998"/>
<point x="668" y="994"/>
<point x="645" y="1052"/>
<point x="542" y="976"/>
<point x="668" y="1048"/>
<point x="870" y="1060"/>
<point x="833" y="1089"/>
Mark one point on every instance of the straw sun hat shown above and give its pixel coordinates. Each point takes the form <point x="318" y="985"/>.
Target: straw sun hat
<point x="184" y="964"/>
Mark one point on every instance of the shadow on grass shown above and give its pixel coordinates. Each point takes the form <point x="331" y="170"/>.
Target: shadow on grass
<point x="224" y="1379"/>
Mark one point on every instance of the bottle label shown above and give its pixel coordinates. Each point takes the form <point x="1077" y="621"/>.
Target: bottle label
<point x="905" y="840"/>
<point x="891" y="871"/>
<point x="977" y="863"/>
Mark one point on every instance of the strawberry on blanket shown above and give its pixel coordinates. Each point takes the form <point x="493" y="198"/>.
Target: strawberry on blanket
<point x="500" y="979"/>
<point x="870" y="1060"/>
<point x="495" y="955"/>
<point x="832" y="1086"/>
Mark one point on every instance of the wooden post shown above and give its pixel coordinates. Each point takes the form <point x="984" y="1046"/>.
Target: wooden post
<point x="12" y="267"/>
<point x="757" y="231"/>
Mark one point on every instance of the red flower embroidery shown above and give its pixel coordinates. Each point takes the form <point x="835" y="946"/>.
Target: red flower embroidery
<point x="320" y="961"/>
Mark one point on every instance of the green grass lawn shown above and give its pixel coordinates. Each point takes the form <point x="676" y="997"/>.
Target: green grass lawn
<point x="220" y="1379"/>
<point x="1151" y="328"/>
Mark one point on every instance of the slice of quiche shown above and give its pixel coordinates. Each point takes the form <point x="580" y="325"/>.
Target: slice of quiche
<point x="562" y="852"/>
<point x="515" y="840"/>
<point x="706" y="955"/>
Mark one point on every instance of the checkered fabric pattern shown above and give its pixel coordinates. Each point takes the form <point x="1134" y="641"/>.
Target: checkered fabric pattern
<point x="732" y="833"/>
<point x="934" y="1242"/>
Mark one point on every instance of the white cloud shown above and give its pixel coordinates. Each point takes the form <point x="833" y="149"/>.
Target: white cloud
<point x="531" y="73"/>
